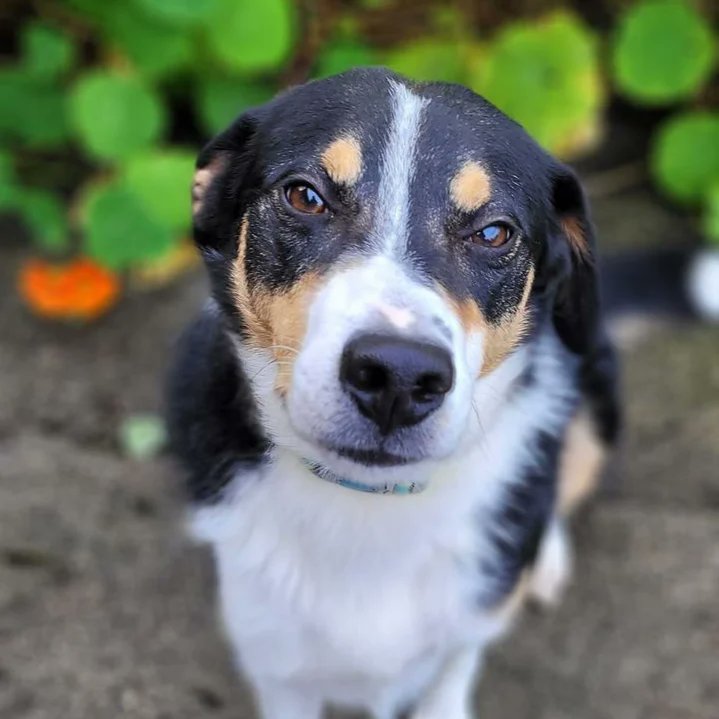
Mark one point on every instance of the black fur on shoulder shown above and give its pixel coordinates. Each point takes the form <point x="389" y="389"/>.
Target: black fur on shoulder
<point x="210" y="411"/>
<point x="517" y="529"/>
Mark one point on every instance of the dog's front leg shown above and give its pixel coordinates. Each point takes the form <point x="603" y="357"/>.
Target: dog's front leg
<point x="449" y="696"/>
<point x="279" y="700"/>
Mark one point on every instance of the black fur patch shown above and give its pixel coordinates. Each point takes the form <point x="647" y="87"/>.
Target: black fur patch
<point x="518" y="526"/>
<point x="210" y="411"/>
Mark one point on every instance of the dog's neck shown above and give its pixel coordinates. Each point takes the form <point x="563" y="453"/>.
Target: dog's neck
<point x="328" y="475"/>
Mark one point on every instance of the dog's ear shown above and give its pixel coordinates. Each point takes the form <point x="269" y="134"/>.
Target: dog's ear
<point x="223" y="173"/>
<point x="572" y="254"/>
<point x="577" y="310"/>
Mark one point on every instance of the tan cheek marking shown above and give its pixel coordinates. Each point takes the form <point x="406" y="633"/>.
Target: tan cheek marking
<point x="342" y="160"/>
<point x="471" y="187"/>
<point x="287" y="318"/>
<point x="574" y="232"/>
<point x="275" y="322"/>
<point x="583" y="458"/>
<point x="502" y="338"/>
<point x="513" y="602"/>
<point x="499" y="339"/>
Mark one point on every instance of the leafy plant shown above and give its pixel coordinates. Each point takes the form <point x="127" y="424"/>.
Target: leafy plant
<point x="430" y="60"/>
<point x="115" y="115"/>
<point x="104" y="105"/>
<point x="664" y="51"/>
<point x="685" y="158"/>
<point x="238" y="33"/>
<point x="546" y="75"/>
<point x="119" y="229"/>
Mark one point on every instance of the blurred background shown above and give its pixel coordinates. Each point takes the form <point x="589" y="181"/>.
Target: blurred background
<point x="105" y="610"/>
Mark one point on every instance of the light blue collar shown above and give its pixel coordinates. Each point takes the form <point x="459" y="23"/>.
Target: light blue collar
<point x="387" y="488"/>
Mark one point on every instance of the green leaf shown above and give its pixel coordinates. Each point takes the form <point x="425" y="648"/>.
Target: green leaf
<point x="685" y="156"/>
<point x="343" y="55"/>
<point x="221" y="100"/>
<point x="119" y="230"/>
<point x="546" y="76"/>
<point x="142" y="436"/>
<point x="7" y="170"/>
<point x="8" y="189"/>
<point x="156" y="49"/>
<point x="428" y="60"/>
<point x="46" y="52"/>
<point x="92" y="9"/>
<point x="161" y="182"/>
<point x="45" y="216"/>
<point x="711" y="213"/>
<point x="33" y="110"/>
<point x="115" y="115"/>
<point x="179" y="12"/>
<point x="252" y="37"/>
<point x="663" y="51"/>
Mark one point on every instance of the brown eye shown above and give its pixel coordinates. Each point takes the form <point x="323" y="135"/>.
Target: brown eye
<point x="494" y="235"/>
<point x="304" y="198"/>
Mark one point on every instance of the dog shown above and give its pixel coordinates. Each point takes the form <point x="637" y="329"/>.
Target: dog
<point x="400" y="389"/>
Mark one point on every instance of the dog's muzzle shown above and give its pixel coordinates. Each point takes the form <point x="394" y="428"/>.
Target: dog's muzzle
<point x="395" y="382"/>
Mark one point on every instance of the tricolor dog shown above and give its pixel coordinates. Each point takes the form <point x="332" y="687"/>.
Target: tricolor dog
<point x="399" y="390"/>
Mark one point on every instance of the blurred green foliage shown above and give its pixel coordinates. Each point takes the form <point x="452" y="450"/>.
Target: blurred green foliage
<point x="547" y="76"/>
<point x="686" y="155"/>
<point x="663" y="52"/>
<point x="125" y="91"/>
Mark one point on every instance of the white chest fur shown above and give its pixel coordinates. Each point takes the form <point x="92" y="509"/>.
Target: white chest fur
<point x="323" y="584"/>
<point x="359" y="595"/>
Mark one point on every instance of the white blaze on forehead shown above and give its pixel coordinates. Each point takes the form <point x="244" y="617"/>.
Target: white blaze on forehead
<point x="398" y="169"/>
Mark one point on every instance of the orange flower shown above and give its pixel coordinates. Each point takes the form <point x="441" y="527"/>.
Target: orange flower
<point x="78" y="290"/>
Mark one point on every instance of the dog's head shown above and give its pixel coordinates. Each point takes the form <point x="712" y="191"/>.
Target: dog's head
<point x="381" y="248"/>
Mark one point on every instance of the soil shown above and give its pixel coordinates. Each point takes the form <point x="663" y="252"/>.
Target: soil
<point x="106" y="610"/>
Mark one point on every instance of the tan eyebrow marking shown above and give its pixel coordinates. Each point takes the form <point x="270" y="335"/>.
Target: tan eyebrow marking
<point x="342" y="159"/>
<point x="470" y="187"/>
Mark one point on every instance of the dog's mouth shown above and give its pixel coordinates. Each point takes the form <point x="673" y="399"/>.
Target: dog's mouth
<point x="377" y="457"/>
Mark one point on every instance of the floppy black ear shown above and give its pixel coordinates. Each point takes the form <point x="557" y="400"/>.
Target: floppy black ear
<point x="221" y="182"/>
<point x="577" y="309"/>
<point x="577" y="306"/>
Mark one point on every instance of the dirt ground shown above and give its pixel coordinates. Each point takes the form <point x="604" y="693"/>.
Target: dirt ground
<point x="106" y="610"/>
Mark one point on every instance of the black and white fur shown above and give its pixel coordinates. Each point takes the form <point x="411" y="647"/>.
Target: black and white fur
<point x="330" y="595"/>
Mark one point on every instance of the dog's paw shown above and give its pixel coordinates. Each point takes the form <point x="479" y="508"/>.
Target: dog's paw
<point x="553" y="568"/>
<point x="462" y="714"/>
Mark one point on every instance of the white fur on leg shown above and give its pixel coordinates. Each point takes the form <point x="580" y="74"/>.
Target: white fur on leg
<point x="281" y="701"/>
<point x="553" y="569"/>
<point x="449" y="697"/>
<point x="703" y="284"/>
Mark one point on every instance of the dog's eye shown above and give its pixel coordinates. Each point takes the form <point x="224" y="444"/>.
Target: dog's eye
<point x="304" y="198"/>
<point x="494" y="235"/>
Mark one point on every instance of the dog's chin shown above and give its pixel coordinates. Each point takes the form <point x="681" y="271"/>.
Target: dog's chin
<point x="338" y="455"/>
<point x="376" y="457"/>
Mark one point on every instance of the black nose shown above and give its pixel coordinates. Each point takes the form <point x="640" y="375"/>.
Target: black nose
<point x="395" y="382"/>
